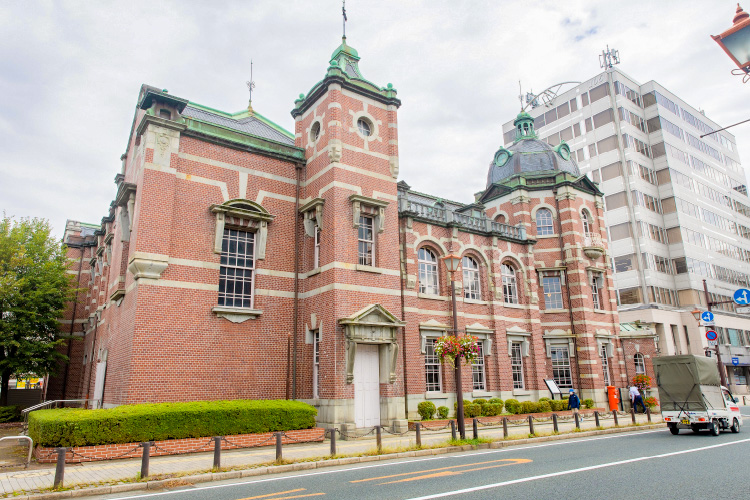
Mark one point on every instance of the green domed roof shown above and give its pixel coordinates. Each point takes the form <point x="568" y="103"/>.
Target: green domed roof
<point x="346" y="49"/>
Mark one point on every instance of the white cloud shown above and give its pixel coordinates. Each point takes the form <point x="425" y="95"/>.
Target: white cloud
<point x="70" y="73"/>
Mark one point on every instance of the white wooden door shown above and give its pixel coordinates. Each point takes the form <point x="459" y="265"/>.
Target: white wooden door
<point x="366" y="386"/>
<point x="101" y="371"/>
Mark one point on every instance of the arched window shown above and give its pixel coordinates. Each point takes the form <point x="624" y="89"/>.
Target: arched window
<point x="428" y="272"/>
<point x="471" y="278"/>
<point x="544" y="222"/>
<point x="510" y="291"/>
<point x="586" y="218"/>
<point x="501" y="219"/>
<point x="640" y="364"/>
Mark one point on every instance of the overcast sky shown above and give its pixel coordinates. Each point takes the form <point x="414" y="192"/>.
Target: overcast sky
<point x="70" y="74"/>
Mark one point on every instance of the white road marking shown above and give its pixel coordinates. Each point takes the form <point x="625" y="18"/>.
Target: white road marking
<point x="573" y="471"/>
<point x="362" y="467"/>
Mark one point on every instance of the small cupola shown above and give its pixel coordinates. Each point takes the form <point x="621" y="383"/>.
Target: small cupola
<point x="524" y="124"/>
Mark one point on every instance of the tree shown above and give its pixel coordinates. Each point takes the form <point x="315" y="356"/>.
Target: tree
<point x="34" y="289"/>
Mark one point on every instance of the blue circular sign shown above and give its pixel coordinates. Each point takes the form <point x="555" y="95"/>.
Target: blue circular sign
<point x="707" y="316"/>
<point x="711" y="335"/>
<point x="742" y="296"/>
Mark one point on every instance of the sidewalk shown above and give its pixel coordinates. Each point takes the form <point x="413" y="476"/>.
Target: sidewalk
<point x="110" y="472"/>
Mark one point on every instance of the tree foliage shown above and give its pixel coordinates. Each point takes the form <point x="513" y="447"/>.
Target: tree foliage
<point x="34" y="289"/>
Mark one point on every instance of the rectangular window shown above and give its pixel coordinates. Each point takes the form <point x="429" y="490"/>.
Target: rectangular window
<point x="612" y="171"/>
<point x="316" y="363"/>
<point x="615" y="201"/>
<point x="596" y="289"/>
<point x="563" y="110"/>
<point x="599" y="92"/>
<point x="576" y="129"/>
<point x="366" y="238"/>
<point x="236" y="273"/>
<point x="566" y="134"/>
<point x="605" y="365"/>
<point x="477" y="369"/>
<point x="552" y="286"/>
<point x="574" y="106"/>
<point x="585" y="99"/>
<point x="620" y="231"/>
<point x="561" y="366"/>
<point x="734" y="337"/>
<point x="687" y="337"/>
<point x="432" y="367"/>
<point x="316" y="249"/>
<point x="625" y="263"/>
<point x="606" y="145"/>
<point x="630" y="296"/>
<point x="603" y="118"/>
<point x="516" y="365"/>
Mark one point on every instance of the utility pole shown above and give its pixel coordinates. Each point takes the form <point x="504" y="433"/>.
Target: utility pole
<point x="709" y="304"/>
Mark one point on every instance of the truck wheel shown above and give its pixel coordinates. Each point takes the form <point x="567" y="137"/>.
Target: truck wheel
<point x="735" y="428"/>
<point x="714" y="428"/>
<point x="674" y="430"/>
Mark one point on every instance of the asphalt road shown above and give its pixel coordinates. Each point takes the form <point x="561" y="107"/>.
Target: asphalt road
<point x="652" y="464"/>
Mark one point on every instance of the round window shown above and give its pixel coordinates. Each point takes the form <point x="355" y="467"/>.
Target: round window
<point x="364" y="126"/>
<point x="315" y="132"/>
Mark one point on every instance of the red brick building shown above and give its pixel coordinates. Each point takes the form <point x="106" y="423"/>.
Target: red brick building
<point x="239" y="260"/>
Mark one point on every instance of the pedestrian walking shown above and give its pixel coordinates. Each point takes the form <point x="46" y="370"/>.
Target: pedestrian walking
<point x="636" y="399"/>
<point x="574" y="402"/>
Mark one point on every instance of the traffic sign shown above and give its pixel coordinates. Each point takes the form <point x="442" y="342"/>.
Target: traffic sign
<point x="736" y="361"/>
<point x="707" y="317"/>
<point x="711" y="335"/>
<point x="742" y="310"/>
<point x="712" y="343"/>
<point x="742" y="296"/>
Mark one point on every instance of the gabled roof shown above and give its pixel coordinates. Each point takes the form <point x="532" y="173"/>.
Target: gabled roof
<point x="248" y="123"/>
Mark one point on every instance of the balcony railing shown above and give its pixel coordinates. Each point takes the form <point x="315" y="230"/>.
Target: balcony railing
<point x="444" y="216"/>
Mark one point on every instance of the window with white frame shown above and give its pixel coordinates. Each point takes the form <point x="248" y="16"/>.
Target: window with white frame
<point x="236" y="273"/>
<point x="510" y="290"/>
<point x="477" y="369"/>
<point x="552" y="287"/>
<point x="605" y="365"/>
<point x="586" y="218"/>
<point x="471" y="278"/>
<point x="640" y="364"/>
<point x="316" y="363"/>
<point x="544" y="222"/>
<point x="516" y="365"/>
<point x="428" y="272"/>
<point x="596" y="289"/>
<point x="561" y="366"/>
<point x="316" y="248"/>
<point x="366" y="237"/>
<point x="432" y="367"/>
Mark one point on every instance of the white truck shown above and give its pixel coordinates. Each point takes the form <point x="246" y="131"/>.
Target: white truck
<point x="692" y="397"/>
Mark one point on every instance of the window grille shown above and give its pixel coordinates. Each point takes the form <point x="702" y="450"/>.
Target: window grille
<point x="432" y="367"/>
<point x="236" y="273"/>
<point x="428" y="272"/>
<point x="516" y="365"/>
<point x="471" y="278"/>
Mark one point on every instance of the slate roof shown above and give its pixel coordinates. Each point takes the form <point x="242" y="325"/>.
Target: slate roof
<point x="249" y="125"/>
<point x="531" y="156"/>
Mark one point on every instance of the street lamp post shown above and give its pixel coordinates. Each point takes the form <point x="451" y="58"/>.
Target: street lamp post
<point x="736" y="42"/>
<point x="452" y="264"/>
<point x="697" y="314"/>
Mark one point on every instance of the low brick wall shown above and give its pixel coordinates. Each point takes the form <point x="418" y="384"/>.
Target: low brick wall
<point x="431" y="424"/>
<point x="78" y="454"/>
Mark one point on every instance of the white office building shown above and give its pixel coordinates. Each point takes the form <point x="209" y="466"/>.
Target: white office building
<point x="676" y="208"/>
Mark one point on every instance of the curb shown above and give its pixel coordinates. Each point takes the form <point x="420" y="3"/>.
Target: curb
<point x="278" y="469"/>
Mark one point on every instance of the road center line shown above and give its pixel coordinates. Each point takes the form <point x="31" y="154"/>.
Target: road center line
<point x="573" y="471"/>
<point x="509" y="449"/>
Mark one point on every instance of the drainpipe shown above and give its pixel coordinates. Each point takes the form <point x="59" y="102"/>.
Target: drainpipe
<point x="72" y="324"/>
<point x="298" y="166"/>
<point x="402" y="271"/>
<point x="567" y="287"/>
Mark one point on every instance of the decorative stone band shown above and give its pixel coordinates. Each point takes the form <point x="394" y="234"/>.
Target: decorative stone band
<point x="176" y="446"/>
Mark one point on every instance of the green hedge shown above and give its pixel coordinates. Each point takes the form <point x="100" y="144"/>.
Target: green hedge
<point x="155" y="422"/>
<point x="10" y="413"/>
<point x="443" y="411"/>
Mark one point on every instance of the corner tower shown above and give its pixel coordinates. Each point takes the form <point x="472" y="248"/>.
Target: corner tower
<point x="350" y="306"/>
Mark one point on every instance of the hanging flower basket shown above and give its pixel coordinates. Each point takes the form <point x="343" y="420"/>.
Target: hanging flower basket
<point x="451" y="348"/>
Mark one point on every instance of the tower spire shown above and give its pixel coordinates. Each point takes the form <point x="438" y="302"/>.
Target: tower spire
<point x="343" y="14"/>
<point x="250" y="87"/>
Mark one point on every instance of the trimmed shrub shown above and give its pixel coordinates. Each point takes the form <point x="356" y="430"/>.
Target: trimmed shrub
<point x="10" y="413"/>
<point x="472" y="410"/>
<point x="426" y="410"/>
<point x="480" y="401"/>
<point x="156" y="422"/>
<point x="544" y="399"/>
<point x="443" y="411"/>
<point x="588" y="403"/>
<point x="528" y="407"/>
<point x="492" y="409"/>
<point x="496" y="401"/>
<point x="543" y="406"/>
<point x="558" y="404"/>
<point x="455" y="406"/>
<point x="511" y="405"/>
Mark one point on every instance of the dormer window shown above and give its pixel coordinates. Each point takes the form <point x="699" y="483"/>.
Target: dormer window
<point x="165" y="113"/>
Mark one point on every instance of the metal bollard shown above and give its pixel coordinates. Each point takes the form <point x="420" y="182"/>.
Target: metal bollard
<point x="474" y="428"/>
<point x="379" y="438"/>
<point x="146" y="445"/>
<point x="418" y="429"/>
<point x="632" y="414"/>
<point x="596" y="418"/>
<point x="614" y="414"/>
<point x="648" y="414"/>
<point x="531" y="424"/>
<point x="554" y="423"/>
<point x="60" y="468"/>
<point x="453" y="430"/>
<point x="505" y="427"/>
<point x="278" y="445"/>
<point x="217" y="452"/>
<point x="332" y="433"/>
<point x="578" y="420"/>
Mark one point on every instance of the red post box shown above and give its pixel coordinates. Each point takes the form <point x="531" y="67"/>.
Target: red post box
<point x="614" y="402"/>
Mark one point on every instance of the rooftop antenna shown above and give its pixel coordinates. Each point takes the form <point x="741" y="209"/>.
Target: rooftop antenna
<point x="343" y="13"/>
<point x="250" y="87"/>
<point x="608" y="58"/>
<point x="520" y="94"/>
